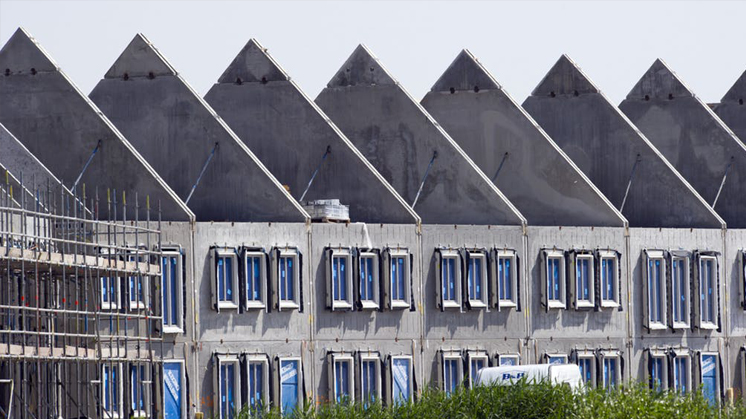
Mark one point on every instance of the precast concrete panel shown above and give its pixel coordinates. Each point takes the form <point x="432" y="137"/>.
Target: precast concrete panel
<point x="16" y="158"/>
<point x="291" y="136"/>
<point x="68" y="133"/>
<point x="611" y="151"/>
<point x="404" y="143"/>
<point x="510" y="148"/>
<point x="187" y="143"/>
<point x="689" y="134"/>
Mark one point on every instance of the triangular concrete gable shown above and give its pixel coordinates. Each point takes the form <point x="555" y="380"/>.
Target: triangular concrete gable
<point x="290" y="135"/>
<point x="689" y="134"/>
<point x="62" y="128"/>
<point x="498" y="134"/>
<point x="177" y="132"/>
<point x="400" y="138"/>
<point x="610" y="150"/>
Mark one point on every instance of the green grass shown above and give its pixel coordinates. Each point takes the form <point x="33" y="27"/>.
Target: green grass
<point x="541" y="400"/>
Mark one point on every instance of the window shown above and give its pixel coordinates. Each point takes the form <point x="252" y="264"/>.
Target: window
<point x="612" y="370"/>
<point x="401" y="379"/>
<point x="399" y="279"/>
<point x="287" y="278"/>
<point x="227" y="386"/>
<point x="508" y="360"/>
<point x="586" y="361"/>
<point x="554" y="279"/>
<point x="681" y="368"/>
<point x="341" y="378"/>
<point x="136" y="283"/>
<point x="339" y="279"/>
<point x="477" y="361"/>
<point x="657" y="369"/>
<point x="6" y="398"/>
<point x="506" y="278"/>
<point x="709" y="373"/>
<point x="369" y="280"/>
<point x="140" y="390"/>
<point x="708" y="295"/>
<point x="655" y="290"/>
<point x="555" y="359"/>
<point x="111" y="389"/>
<point x="370" y="383"/>
<point x="109" y="293"/>
<point x="476" y="279"/>
<point x="583" y="281"/>
<point x="225" y="279"/>
<point x="257" y="382"/>
<point x="255" y="273"/>
<point x="173" y="285"/>
<point x="450" y="279"/>
<point x="290" y="384"/>
<point x="609" y="275"/>
<point x="174" y="400"/>
<point x="451" y="371"/>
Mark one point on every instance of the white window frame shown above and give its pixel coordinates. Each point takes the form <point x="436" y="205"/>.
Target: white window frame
<point x="659" y="355"/>
<point x="505" y="356"/>
<point x="145" y="390"/>
<point x="233" y="302"/>
<point x="448" y="357"/>
<point x="362" y="359"/>
<point x="510" y="255"/>
<point x="299" y="386"/>
<point x="374" y="303"/>
<point x="681" y="354"/>
<point x="249" y="302"/>
<point x="472" y="356"/>
<point x="549" y="355"/>
<point x="400" y="304"/>
<point x="339" y="358"/>
<point x="294" y="303"/>
<point x="477" y="303"/>
<point x="108" y="413"/>
<point x="586" y="355"/>
<point x="223" y="360"/>
<point x="560" y="256"/>
<point x="253" y="359"/>
<point x="456" y="302"/>
<point x="410" y="378"/>
<point x="614" y="257"/>
<point x="115" y="299"/>
<point x="675" y="296"/>
<point x="138" y="277"/>
<point x="617" y="357"/>
<point x="590" y="302"/>
<point x="718" y="390"/>
<point x="177" y="292"/>
<point x="653" y="255"/>
<point x="711" y="325"/>
<point x="182" y="384"/>
<point x="347" y="302"/>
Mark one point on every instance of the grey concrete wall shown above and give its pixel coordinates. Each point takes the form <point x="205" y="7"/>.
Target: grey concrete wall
<point x="691" y="137"/>
<point x="176" y="131"/>
<point x="497" y="134"/>
<point x="400" y="138"/>
<point x="290" y="134"/>
<point x="17" y="159"/>
<point x="605" y="146"/>
<point x="61" y="127"/>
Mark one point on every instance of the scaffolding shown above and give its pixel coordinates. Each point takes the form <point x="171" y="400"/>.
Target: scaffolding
<point x="80" y="304"/>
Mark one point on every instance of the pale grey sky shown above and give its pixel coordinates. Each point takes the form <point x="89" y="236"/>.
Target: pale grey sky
<point x="614" y="42"/>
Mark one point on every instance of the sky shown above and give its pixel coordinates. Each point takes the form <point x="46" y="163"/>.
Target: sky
<point x="518" y="42"/>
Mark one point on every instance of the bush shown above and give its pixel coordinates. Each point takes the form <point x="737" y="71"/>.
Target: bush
<point x="531" y="401"/>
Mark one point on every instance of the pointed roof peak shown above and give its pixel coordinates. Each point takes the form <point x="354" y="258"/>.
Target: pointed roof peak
<point x="465" y="73"/>
<point x="565" y="78"/>
<point x="362" y="68"/>
<point x="22" y="53"/>
<point x="737" y="93"/>
<point x="140" y="59"/>
<point x="659" y="82"/>
<point x="253" y="64"/>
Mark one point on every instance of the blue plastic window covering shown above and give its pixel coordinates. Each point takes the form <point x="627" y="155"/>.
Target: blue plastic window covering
<point x="227" y="390"/>
<point x="450" y="374"/>
<point x="557" y="360"/>
<point x="398" y="278"/>
<point x="709" y="378"/>
<point x="505" y="278"/>
<point x="680" y="290"/>
<point x="339" y="277"/>
<point x="656" y="372"/>
<point x="475" y="278"/>
<point x="137" y="375"/>
<point x="225" y="278"/>
<point x="610" y="368"/>
<point x="111" y="389"/>
<point x="582" y="276"/>
<point x="287" y="278"/>
<point x="342" y="381"/>
<point x="586" y="371"/>
<point x="172" y="404"/>
<point x="553" y="279"/>
<point x="608" y="288"/>
<point x="366" y="278"/>
<point x="289" y="385"/>
<point x="256" y="385"/>
<point x="707" y="286"/>
<point x="655" y="288"/>
<point x="448" y="277"/>
<point x="476" y="365"/>
<point x="170" y="290"/>
<point x="680" y="374"/>
<point x="400" y="373"/>
<point x="368" y="381"/>
<point x="254" y="278"/>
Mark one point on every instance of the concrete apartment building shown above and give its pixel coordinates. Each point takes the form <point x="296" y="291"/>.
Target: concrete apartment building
<point x="361" y="246"/>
